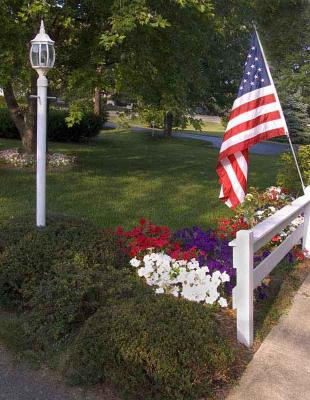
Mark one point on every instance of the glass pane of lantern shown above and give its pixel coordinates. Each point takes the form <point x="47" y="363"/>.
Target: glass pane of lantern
<point x="43" y="57"/>
<point x="35" y="55"/>
<point x="51" y="55"/>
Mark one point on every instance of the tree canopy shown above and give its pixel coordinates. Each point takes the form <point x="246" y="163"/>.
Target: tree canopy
<point x="168" y="56"/>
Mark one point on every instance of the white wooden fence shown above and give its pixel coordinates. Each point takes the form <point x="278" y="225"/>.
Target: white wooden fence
<point x="248" y="242"/>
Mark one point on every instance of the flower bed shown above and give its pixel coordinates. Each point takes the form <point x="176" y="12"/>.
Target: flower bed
<point x="18" y="159"/>
<point x="197" y="264"/>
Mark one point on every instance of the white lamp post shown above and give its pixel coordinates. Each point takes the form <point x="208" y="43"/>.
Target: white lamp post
<point x="42" y="58"/>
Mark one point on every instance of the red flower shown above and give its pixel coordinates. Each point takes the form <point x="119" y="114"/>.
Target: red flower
<point x="119" y="231"/>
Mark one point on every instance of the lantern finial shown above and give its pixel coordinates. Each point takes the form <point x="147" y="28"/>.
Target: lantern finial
<point x="42" y="28"/>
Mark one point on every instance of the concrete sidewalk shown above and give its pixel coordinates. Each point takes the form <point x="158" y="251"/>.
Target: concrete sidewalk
<point x="280" y="369"/>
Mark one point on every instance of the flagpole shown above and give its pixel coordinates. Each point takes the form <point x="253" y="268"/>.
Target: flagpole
<point x="281" y="112"/>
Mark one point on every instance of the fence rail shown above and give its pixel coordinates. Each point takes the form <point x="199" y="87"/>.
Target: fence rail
<point x="248" y="242"/>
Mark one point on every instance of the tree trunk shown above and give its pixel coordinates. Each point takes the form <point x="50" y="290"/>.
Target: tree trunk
<point x="168" y="122"/>
<point x="24" y="120"/>
<point x="97" y="102"/>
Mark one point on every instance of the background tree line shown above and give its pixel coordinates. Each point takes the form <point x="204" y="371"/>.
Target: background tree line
<point x="168" y="56"/>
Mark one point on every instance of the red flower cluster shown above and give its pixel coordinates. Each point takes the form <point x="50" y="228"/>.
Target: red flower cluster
<point x="274" y="194"/>
<point x="299" y="254"/>
<point x="228" y="228"/>
<point x="178" y="253"/>
<point x="276" y="239"/>
<point x="144" y="236"/>
<point x="149" y="236"/>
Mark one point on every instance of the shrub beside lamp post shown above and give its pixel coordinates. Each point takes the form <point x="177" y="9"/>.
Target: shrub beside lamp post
<point x="42" y="58"/>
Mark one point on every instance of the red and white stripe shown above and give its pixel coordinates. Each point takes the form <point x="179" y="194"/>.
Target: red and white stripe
<point x="255" y="116"/>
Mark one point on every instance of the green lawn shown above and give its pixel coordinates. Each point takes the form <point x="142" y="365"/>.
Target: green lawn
<point x="123" y="176"/>
<point x="212" y="128"/>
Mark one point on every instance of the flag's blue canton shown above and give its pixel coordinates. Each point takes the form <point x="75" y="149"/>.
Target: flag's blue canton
<point x="255" y="73"/>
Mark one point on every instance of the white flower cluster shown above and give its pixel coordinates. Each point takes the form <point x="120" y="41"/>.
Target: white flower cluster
<point x="18" y="159"/>
<point x="267" y="212"/>
<point x="60" y="160"/>
<point x="14" y="157"/>
<point x="181" y="278"/>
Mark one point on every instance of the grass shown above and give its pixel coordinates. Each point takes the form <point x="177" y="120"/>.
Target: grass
<point x="124" y="176"/>
<point x="285" y="280"/>
<point x="207" y="127"/>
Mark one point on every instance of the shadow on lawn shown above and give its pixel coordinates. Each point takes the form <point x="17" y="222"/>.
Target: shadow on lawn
<point x="123" y="176"/>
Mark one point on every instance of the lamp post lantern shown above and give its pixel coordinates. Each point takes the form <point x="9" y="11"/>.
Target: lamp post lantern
<point x="42" y="58"/>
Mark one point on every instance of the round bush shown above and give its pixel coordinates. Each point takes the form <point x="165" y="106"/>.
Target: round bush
<point x="32" y="258"/>
<point x="8" y="129"/>
<point x="57" y="128"/>
<point x="157" y="347"/>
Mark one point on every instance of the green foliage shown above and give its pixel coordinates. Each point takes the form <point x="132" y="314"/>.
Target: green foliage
<point x="75" y="292"/>
<point x="288" y="176"/>
<point x="58" y="130"/>
<point x="28" y="255"/>
<point x="285" y="43"/>
<point x="88" y="126"/>
<point x="297" y="115"/>
<point x="2" y="102"/>
<point x="7" y="127"/>
<point x="156" y="347"/>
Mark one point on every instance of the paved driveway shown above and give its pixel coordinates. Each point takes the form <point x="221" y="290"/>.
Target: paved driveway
<point x="263" y="148"/>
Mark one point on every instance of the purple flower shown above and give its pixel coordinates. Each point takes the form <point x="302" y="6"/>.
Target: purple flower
<point x="218" y="255"/>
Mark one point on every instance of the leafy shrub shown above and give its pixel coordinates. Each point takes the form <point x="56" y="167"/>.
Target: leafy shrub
<point x="57" y="128"/>
<point x="288" y="175"/>
<point x="152" y="348"/>
<point x="57" y="273"/>
<point x="7" y="127"/>
<point x="76" y="295"/>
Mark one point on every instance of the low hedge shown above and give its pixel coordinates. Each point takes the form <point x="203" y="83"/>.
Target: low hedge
<point x="158" y="347"/>
<point x="57" y="128"/>
<point x="75" y="291"/>
<point x="56" y="274"/>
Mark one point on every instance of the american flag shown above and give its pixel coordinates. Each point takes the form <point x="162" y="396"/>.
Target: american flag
<point x="256" y="115"/>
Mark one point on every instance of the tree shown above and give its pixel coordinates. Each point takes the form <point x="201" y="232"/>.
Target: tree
<point x="85" y="33"/>
<point x="287" y="44"/>
<point x="297" y="114"/>
<point x="199" y="65"/>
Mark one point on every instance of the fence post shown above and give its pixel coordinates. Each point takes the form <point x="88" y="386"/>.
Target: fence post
<point x="306" y="234"/>
<point x="243" y="293"/>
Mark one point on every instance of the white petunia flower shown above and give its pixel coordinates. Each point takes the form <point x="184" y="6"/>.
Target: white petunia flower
<point x="225" y="277"/>
<point x="222" y="302"/>
<point x="134" y="262"/>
